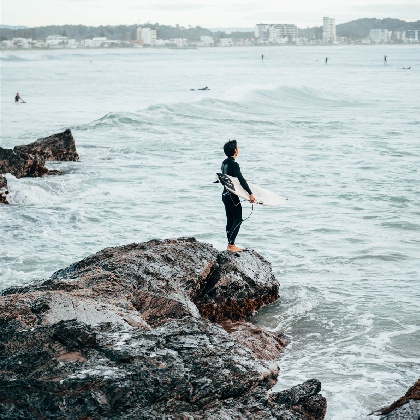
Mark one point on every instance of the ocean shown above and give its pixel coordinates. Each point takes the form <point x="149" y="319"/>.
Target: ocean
<point x="341" y="141"/>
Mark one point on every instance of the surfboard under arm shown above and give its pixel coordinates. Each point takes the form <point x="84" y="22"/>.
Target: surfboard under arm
<point x="262" y="196"/>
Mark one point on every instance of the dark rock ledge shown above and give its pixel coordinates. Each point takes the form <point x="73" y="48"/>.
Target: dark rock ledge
<point x="3" y="190"/>
<point x="29" y="160"/>
<point x="145" y="331"/>
<point x="405" y="408"/>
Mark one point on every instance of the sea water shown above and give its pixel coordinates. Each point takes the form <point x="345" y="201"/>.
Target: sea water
<point x="341" y="141"/>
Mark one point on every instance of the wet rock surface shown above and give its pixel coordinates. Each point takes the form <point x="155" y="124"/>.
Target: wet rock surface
<point x="127" y="333"/>
<point x="22" y="164"/>
<point x="405" y="408"/>
<point x="58" y="147"/>
<point x="29" y="160"/>
<point x="3" y="190"/>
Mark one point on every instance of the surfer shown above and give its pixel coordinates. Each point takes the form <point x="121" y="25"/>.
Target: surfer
<point x="385" y="59"/>
<point x="17" y="97"/>
<point x="326" y="60"/>
<point x="232" y="203"/>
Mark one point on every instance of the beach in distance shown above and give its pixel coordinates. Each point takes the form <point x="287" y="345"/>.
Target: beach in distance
<point x="339" y="139"/>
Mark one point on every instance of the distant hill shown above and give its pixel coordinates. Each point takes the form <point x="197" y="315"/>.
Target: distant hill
<point x="355" y="29"/>
<point x="360" y="28"/>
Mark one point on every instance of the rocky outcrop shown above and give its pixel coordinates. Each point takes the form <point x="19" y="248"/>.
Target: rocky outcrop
<point x="29" y="160"/>
<point x="3" y="190"/>
<point x="128" y="333"/>
<point x="405" y="408"/>
<point x="22" y="164"/>
<point x="58" y="147"/>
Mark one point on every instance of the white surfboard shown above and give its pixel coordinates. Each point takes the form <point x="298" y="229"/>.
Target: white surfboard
<point x="262" y="196"/>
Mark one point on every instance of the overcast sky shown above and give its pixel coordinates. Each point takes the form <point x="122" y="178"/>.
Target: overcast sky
<point x="205" y="13"/>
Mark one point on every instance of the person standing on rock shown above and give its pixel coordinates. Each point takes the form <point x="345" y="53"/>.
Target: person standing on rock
<point x="232" y="203"/>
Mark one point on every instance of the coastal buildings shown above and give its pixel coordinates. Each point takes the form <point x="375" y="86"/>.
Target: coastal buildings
<point x="281" y="34"/>
<point x="207" y="41"/>
<point x="263" y="34"/>
<point x="380" y="36"/>
<point x="329" y="33"/>
<point x="413" y="35"/>
<point x="146" y="36"/>
<point x="275" y="34"/>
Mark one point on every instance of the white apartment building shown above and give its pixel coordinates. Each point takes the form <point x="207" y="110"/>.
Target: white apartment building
<point x="147" y="36"/>
<point x="329" y="33"/>
<point x="281" y="33"/>
<point x="262" y="31"/>
<point x="380" y="35"/>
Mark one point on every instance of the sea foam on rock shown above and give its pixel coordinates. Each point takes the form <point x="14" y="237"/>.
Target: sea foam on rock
<point x="130" y="333"/>
<point x="29" y="160"/>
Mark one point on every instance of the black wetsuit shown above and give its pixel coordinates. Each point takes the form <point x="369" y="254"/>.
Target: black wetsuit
<point x="232" y="203"/>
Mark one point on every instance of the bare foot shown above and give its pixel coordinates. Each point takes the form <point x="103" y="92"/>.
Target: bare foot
<point x="233" y="248"/>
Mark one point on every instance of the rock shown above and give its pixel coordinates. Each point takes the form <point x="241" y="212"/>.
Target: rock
<point x="21" y="164"/>
<point x="123" y="334"/>
<point x="303" y="399"/>
<point x="60" y="146"/>
<point x="29" y="160"/>
<point x="3" y="190"/>
<point x="239" y="285"/>
<point x="405" y="408"/>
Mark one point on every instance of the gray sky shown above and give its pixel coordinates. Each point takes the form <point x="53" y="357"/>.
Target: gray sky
<point x="206" y="13"/>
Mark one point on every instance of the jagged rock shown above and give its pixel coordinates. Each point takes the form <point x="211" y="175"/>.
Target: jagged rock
<point x="303" y="399"/>
<point x="22" y="164"/>
<point x="405" y="408"/>
<point x="3" y="190"/>
<point x="60" y="146"/>
<point x="29" y="160"/>
<point x="239" y="285"/>
<point x="121" y="335"/>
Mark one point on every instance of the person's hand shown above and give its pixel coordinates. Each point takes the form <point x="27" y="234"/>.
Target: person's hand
<point x="251" y="198"/>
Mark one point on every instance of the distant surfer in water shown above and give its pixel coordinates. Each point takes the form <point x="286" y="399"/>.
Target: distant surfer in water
<point x="385" y="59"/>
<point x="326" y="60"/>
<point x="204" y="88"/>
<point x="232" y="203"/>
<point x="17" y="97"/>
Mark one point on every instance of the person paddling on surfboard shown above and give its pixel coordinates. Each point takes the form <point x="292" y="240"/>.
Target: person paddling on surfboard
<point x="232" y="203"/>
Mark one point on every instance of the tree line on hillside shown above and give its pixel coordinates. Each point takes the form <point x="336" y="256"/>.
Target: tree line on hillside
<point x="355" y="29"/>
<point x="119" y="32"/>
<point x="360" y="28"/>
